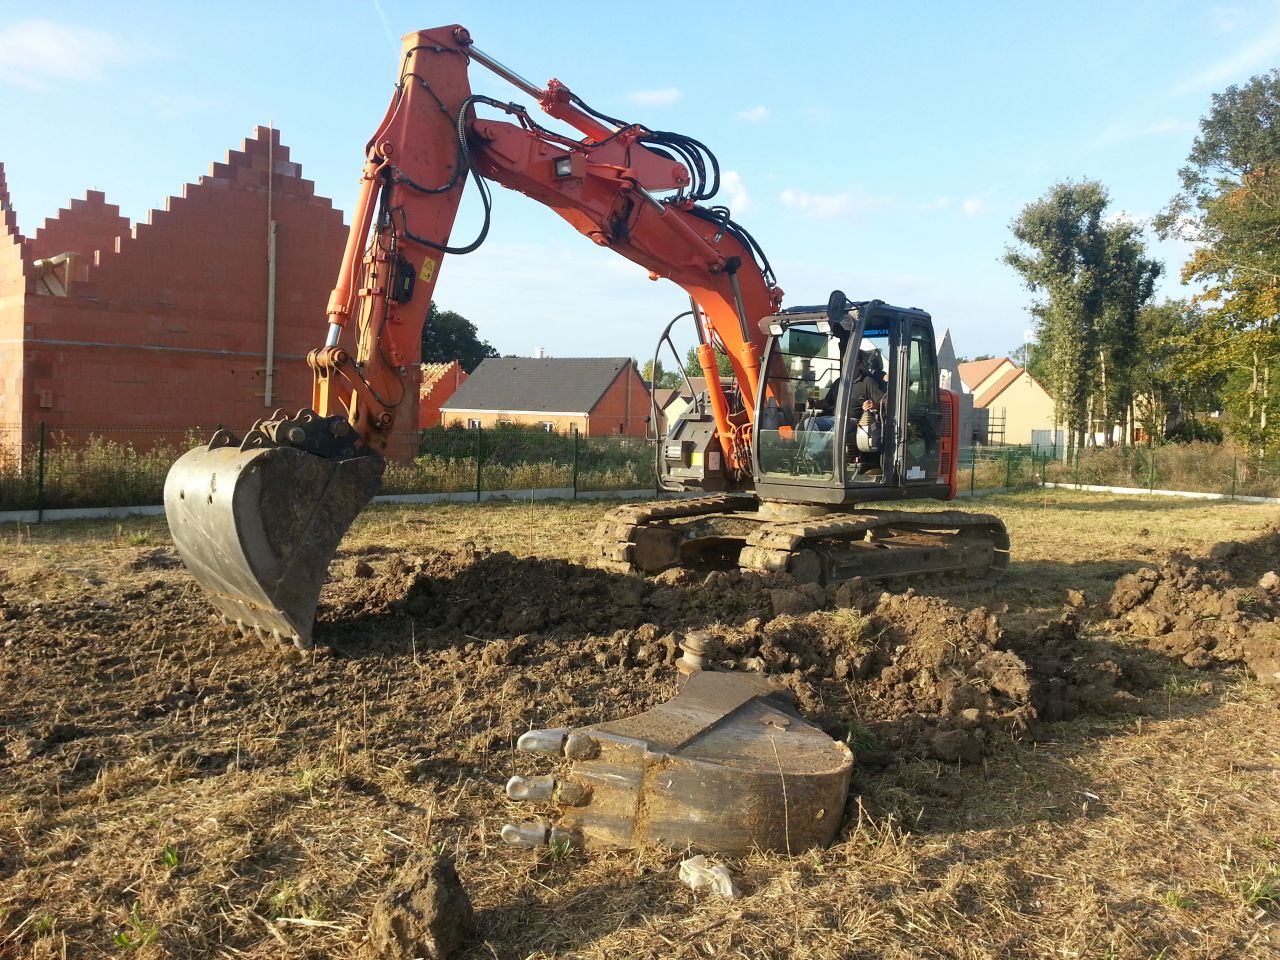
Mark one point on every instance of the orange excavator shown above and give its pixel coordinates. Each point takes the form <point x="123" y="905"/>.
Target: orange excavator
<point x="830" y="406"/>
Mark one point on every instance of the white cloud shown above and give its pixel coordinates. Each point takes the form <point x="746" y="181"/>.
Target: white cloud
<point x="739" y="199"/>
<point x="655" y="98"/>
<point x="973" y="206"/>
<point x="1234" y="67"/>
<point x="1227" y="19"/>
<point x="1120" y="131"/>
<point x="827" y="206"/>
<point x="1124" y="216"/>
<point x="754" y="115"/>
<point x="37" y="54"/>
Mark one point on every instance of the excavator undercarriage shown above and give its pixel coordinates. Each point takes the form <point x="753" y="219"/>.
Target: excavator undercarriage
<point x="827" y="546"/>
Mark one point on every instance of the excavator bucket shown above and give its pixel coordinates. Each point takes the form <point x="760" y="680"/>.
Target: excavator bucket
<point x="257" y="522"/>
<point x="727" y="766"/>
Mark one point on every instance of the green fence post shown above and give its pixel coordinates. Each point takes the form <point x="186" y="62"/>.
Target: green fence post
<point x="1077" y="457"/>
<point x="479" y="458"/>
<point x="40" y="479"/>
<point x="1008" y="469"/>
<point x="973" y="467"/>
<point x="1233" y="478"/>
<point x="1151" y="473"/>
<point x="1044" y="470"/>
<point x="576" y="435"/>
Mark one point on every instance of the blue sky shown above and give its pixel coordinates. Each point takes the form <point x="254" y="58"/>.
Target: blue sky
<point x="879" y="148"/>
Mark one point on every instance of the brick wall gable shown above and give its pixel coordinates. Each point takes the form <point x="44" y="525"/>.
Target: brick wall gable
<point x="83" y="227"/>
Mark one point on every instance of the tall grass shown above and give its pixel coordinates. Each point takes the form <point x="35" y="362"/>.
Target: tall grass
<point x="90" y="471"/>
<point x="1200" y="466"/>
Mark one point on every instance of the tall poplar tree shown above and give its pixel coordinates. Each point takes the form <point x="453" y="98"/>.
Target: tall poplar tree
<point x="1062" y="255"/>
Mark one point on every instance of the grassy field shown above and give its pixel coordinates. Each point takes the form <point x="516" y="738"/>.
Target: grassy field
<point x="169" y="789"/>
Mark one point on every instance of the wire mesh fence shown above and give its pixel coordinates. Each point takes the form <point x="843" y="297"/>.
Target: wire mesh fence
<point x="90" y="466"/>
<point x="1212" y="468"/>
<point x="49" y="468"/>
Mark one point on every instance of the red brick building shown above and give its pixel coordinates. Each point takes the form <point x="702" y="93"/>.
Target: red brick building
<point x="175" y="322"/>
<point x="439" y="381"/>
<point x="593" y="395"/>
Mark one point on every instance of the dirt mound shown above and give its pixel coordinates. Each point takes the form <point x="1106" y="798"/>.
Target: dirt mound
<point x="897" y="675"/>
<point x="1199" y="615"/>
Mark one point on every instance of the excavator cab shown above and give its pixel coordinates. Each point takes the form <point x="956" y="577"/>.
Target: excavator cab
<point x="849" y="407"/>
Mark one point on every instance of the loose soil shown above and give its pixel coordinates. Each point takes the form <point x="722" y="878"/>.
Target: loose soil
<point x="170" y="788"/>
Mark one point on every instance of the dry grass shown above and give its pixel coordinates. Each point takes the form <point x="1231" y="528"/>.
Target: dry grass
<point x="1150" y="835"/>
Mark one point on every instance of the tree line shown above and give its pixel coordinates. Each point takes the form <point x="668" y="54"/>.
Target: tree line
<point x="1112" y="358"/>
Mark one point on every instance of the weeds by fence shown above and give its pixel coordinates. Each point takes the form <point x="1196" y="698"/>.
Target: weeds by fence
<point x="1199" y="467"/>
<point x="126" y="466"/>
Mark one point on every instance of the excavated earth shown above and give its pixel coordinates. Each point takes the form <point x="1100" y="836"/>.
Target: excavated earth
<point x="431" y="663"/>
<point x="1219" y="610"/>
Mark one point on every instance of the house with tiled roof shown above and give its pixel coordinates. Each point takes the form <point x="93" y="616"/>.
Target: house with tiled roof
<point x="1018" y="408"/>
<point x="592" y="395"/>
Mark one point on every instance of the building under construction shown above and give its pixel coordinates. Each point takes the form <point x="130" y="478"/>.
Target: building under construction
<point x="201" y="316"/>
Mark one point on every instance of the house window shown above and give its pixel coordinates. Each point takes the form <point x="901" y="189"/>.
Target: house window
<point x="548" y="426"/>
<point x="473" y="424"/>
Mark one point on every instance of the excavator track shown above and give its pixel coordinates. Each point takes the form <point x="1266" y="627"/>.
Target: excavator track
<point x="890" y="545"/>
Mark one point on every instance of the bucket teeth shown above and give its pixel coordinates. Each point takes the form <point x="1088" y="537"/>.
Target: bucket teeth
<point x="726" y="766"/>
<point x="543" y="741"/>
<point x="531" y="788"/>
<point x="532" y="833"/>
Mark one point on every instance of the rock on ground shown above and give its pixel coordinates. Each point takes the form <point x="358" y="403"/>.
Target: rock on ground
<point x="424" y="913"/>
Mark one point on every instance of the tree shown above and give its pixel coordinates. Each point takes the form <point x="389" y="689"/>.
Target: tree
<point x="1129" y="284"/>
<point x="1230" y="206"/>
<point x="1172" y="389"/>
<point x="694" y="369"/>
<point x="660" y="378"/>
<point x="450" y="336"/>
<point x="1063" y="256"/>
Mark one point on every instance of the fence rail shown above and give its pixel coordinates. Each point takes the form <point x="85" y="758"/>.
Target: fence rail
<point x="89" y="467"/>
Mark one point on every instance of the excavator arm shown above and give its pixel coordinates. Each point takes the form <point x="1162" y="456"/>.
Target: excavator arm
<point x="617" y="184"/>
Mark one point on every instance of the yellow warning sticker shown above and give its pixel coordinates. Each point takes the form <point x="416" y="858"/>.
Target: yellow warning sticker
<point x="428" y="270"/>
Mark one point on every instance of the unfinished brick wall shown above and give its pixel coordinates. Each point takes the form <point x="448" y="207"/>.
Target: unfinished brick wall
<point x="165" y="324"/>
<point x="439" y="381"/>
<point x="13" y="289"/>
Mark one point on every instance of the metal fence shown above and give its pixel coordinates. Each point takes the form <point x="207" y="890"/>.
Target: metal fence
<point x="93" y="466"/>
<point x="1189" y="468"/>
<point x="457" y="459"/>
<point x="90" y="466"/>
<point x="73" y="466"/>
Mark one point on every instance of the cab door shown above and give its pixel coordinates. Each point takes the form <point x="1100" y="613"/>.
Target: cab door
<point x="923" y="420"/>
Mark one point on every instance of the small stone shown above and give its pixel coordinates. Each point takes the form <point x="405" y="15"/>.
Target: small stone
<point x="362" y="570"/>
<point x="1269" y="581"/>
<point x="1076" y="599"/>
